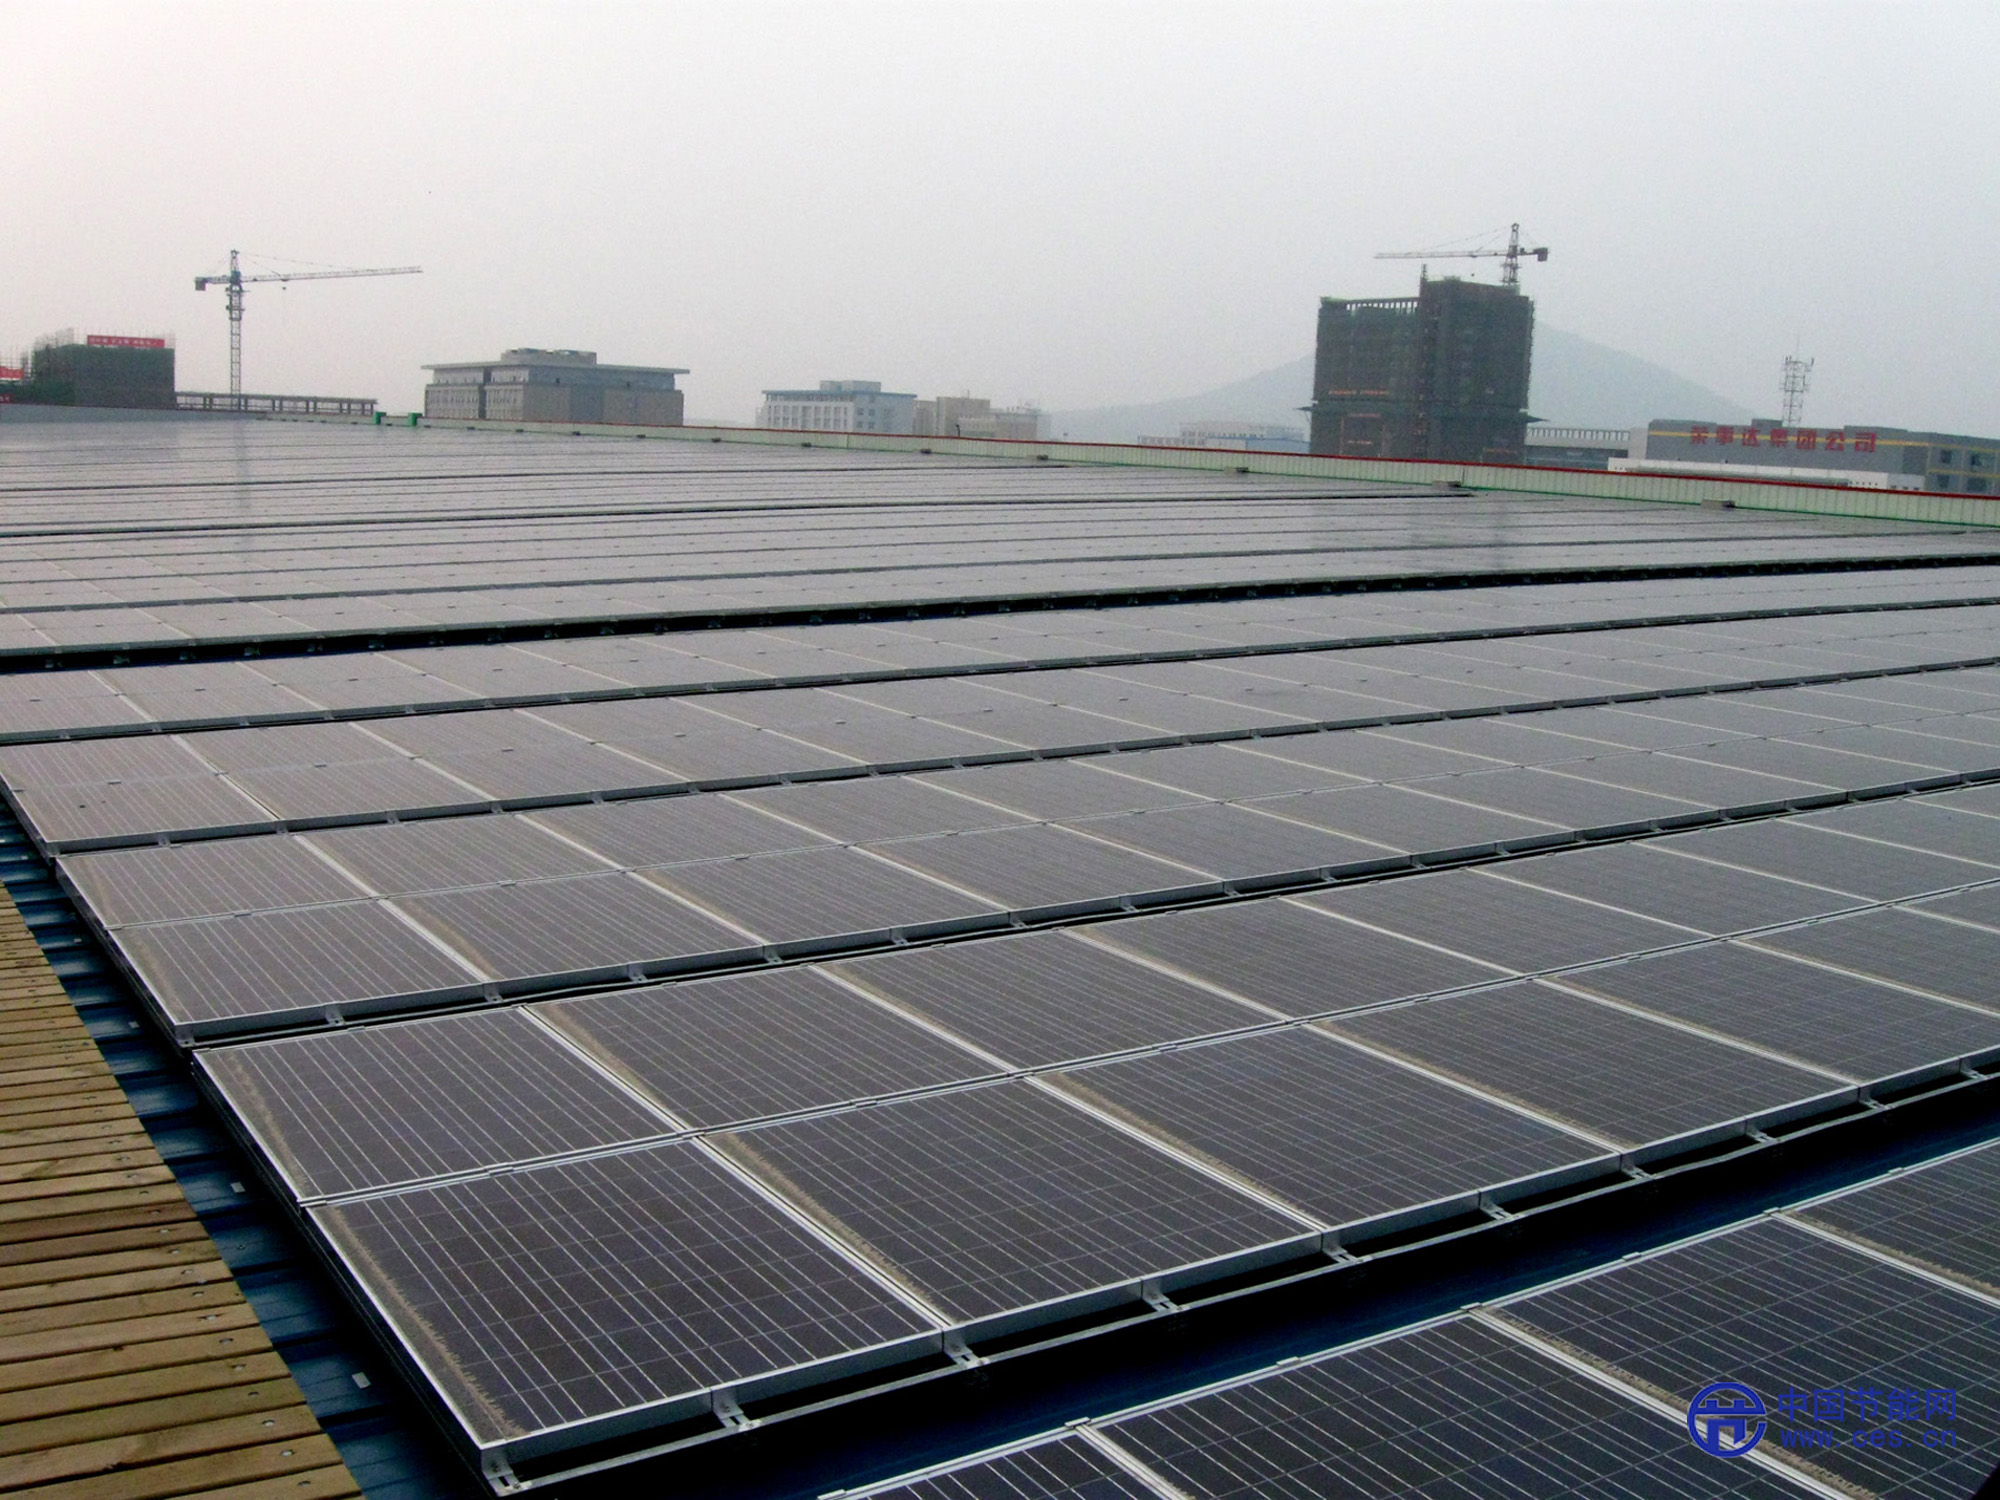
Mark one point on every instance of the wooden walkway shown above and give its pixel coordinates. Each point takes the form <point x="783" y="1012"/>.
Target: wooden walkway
<point x="131" y="1367"/>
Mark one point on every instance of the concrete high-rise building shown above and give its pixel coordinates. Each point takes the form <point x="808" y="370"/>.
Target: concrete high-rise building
<point x="839" y="406"/>
<point x="555" y="385"/>
<point x="1441" y="375"/>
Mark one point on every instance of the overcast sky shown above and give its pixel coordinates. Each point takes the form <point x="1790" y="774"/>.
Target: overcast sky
<point x="1080" y="203"/>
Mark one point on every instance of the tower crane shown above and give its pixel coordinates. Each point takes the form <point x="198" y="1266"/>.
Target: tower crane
<point x="1510" y="258"/>
<point x="234" y="282"/>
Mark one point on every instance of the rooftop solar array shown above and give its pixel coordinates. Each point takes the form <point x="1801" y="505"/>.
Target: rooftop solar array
<point x="660" y="1006"/>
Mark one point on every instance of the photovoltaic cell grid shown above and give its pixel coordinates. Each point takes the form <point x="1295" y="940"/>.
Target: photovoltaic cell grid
<point x="629" y="1198"/>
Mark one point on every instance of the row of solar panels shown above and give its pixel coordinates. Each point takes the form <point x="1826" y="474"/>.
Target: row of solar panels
<point x="134" y="699"/>
<point x="419" y="912"/>
<point x="361" y="605"/>
<point x="103" y="793"/>
<point x="1867" y="1326"/>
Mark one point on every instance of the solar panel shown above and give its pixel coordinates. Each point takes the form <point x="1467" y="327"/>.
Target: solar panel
<point x="1819" y="1016"/>
<point x="1457" y="1410"/>
<point x="1499" y="922"/>
<point x="1786" y="1312"/>
<point x="1231" y="841"/>
<point x="554" y="1296"/>
<point x="1904" y="947"/>
<point x="1065" y="1469"/>
<point x="1062" y="788"/>
<point x="432" y="854"/>
<point x="1411" y="821"/>
<point x="1939" y="1217"/>
<point x="1779" y="846"/>
<point x="266" y="966"/>
<point x="1041" y="865"/>
<point x="206" y="879"/>
<point x="1919" y="822"/>
<point x="77" y="814"/>
<point x="885" y="807"/>
<point x="815" y="893"/>
<point x="1045" y="997"/>
<point x="669" y="830"/>
<point x="1606" y="1072"/>
<point x="1337" y="1133"/>
<point x="996" y="1200"/>
<point x="583" y="922"/>
<point x="741" y="1048"/>
<point x="385" y="1104"/>
<point x="1295" y="960"/>
<point x="1706" y="897"/>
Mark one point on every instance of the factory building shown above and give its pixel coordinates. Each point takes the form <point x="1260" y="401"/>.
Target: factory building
<point x="1553" y="447"/>
<point x="1441" y="375"/>
<point x="555" y="385"/>
<point x="839" y="406"/>
<point x="102" y="369"/>
<point x="1869" y="457"/>
<point x="975" y="417"/>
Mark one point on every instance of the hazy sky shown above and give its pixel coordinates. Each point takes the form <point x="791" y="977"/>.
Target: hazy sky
<point x="1081" y="203"/>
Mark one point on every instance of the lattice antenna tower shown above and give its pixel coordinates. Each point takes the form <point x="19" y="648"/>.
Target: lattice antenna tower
<point x="1796" y="382"/>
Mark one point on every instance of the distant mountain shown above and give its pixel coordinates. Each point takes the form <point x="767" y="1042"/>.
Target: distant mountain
<point x="1576" y="383"/>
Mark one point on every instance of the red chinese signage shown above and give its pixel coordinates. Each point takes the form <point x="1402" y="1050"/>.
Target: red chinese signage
<point x="123" y="341"/>
<point x="1803" y="439"/>
<point x="8" y="372"/>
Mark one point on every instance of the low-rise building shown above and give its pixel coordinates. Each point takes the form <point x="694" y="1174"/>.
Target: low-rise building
<point x="839" y="406"/>
<point x="976" y="417"/>
<point x="1242" y="437"/>
<point x="1870" y="457"/>
<point x="1552" y="447"/>
<point x="555" y="385"/>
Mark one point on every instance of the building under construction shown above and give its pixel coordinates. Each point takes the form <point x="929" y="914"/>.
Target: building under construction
<point x="102" y="369"/>
<point x="1441" y="375"/>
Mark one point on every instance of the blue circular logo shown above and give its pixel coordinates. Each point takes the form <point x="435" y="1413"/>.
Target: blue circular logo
<point x="1726" y="1419"/>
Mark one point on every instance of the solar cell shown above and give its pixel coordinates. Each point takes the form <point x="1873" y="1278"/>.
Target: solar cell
<point x="358" y="787"/>
<point x="378" y="1105"/>
<point x="1497" y="921"/>
<point x="1784" y="1311"/>
<point x="77" y="814"/>
<point x="1045" y="997"/>
<point x="1226" y="771"/>
<point x="1568" y="801"/>
<point x="1293" y="959"/>
<point x="581" y="922"/>
<point x="998" y="1199"/>
<point x="814" y="893"/>
<point x="1338" y="1133"/>
<point x="1939" y="1217"/>
<point x="735" y="1049"/>
<point x="576" y="1291"/>
<point x="1600" y="1069"/>
<point x="1457" y="1410"/>
<point x="212" y="878"/>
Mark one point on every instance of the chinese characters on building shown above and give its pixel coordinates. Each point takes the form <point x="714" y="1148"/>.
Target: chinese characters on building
<point x="1803" y="439"/>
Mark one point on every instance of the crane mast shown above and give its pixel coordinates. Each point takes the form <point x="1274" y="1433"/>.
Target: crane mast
<point x="234" y="281"/>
